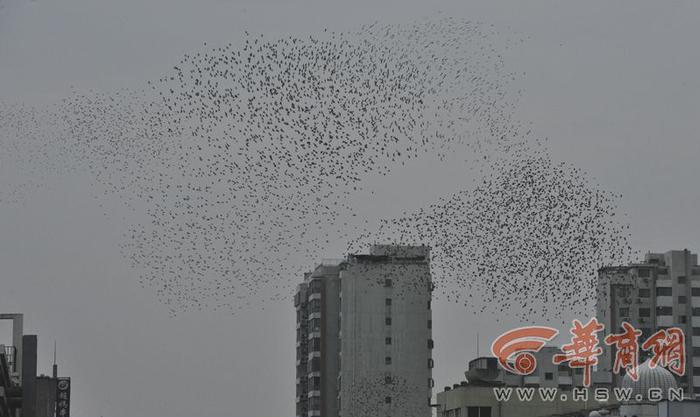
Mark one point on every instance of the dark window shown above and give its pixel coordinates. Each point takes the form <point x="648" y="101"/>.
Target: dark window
<point x="548" y="376"/>
<point x="696" y="312"/>
<point x="431" y="344"/>
<point x="428" y="304"/>
<point x="387" y="360"/>
<point x="387" y="400"/>
<point x="315" y="364"/>
<point x="430" y="324"/>
<point x="696" y="351"/>
<point x="664" y="291"/>
<point x="388" y="283"/>
<point x="644" y="312"/>
<point x="681" y="280"/>
<point x="624" y="312"/>
<point x="643" y="273"/>
<point x="431" y="363"/>
<point x="387" y="341"/>
<point x="696" y="370"/>
<point x="644" y="292"/>
<point x="472" y="411"/>
<point x="388" y="301"/>
<point x="695" y="292"/>
<point x="387" y="380"/>
<point x="696" y="331"/>
<point x="484" y="411"/>
<point x="682" y="299"/>
<point x="683" y="319"/>
<point x="664" y="311"/>
<point x="387" y="321"/>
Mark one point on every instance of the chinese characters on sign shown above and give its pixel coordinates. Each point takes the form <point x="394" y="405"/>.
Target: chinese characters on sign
<point x="63" y="397"/>
<point x="514" y="349"/>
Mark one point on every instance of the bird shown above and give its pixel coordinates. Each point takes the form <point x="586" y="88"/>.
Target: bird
<point x="236" y="167"/>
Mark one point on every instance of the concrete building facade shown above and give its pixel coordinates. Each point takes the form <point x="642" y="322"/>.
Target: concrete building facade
<point x="364" y="335"/>
<point x="661" y="291"/>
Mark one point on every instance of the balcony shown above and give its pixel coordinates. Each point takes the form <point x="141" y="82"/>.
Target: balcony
<point x="565" y="380"/>
<point x="531" y="380"/>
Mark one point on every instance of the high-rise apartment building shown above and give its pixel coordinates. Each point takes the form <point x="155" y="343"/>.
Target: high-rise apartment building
<point x="660" y="292"/>
<point x="364" y="335"/>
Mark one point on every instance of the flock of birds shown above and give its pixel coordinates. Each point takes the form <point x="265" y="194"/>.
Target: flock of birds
<point x="244" y="163"/>
<point x="384" y="394"/>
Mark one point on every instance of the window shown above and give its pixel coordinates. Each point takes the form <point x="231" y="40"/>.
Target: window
<point x="431" y="344"/>
<point x="478" y="411"/>
<point x="664" y="311"/>
<point x="388" y="380"/>
<point x="696" y="312"/>
<point x="387" y="400"/>
<point x="644" y="312"/>
<point x="643" y="273"/>
<point x="428" y="304"/>
<point x="664" y="292"/>
<point x="430" y="324"/>
<point x="388" y="283"/>
<point x="458" y="412"/>
<point x="431" y="363"/>
<point x="315" y="364"/>
<point x="316" y="286"/>
<point x="387" y="341"/>
<point x="624" y="312"/>
<point x="387" y="321"/>
<point x="387" y="360"/>
<point x="695" y="292"/>
<point x="388" y="301"/>
<point x="644" y="292"/>
<point x="696" y="331"/>
<point x="682" y="299"/>
<point x="683" y="319"/>
<point x="696" y="370"/>
<point x="548" y="376"/>
<point x="681" y="280"/>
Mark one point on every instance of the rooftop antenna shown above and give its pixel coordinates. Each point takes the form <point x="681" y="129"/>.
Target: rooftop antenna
<point x="55" y="367"/>
<point x="477" y="345"/>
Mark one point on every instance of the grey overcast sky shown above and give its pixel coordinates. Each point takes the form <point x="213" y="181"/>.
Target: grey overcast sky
<point x="613" y="84"/>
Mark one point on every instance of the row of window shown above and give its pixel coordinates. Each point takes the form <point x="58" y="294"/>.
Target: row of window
<point x="665" y="292"/>
<point x="470" y="412"/>
<point x="660" y="311"/>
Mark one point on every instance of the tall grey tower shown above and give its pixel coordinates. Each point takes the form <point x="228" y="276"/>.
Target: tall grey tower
<point x="364" y="335"/>
<point x="661" y="291"/>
